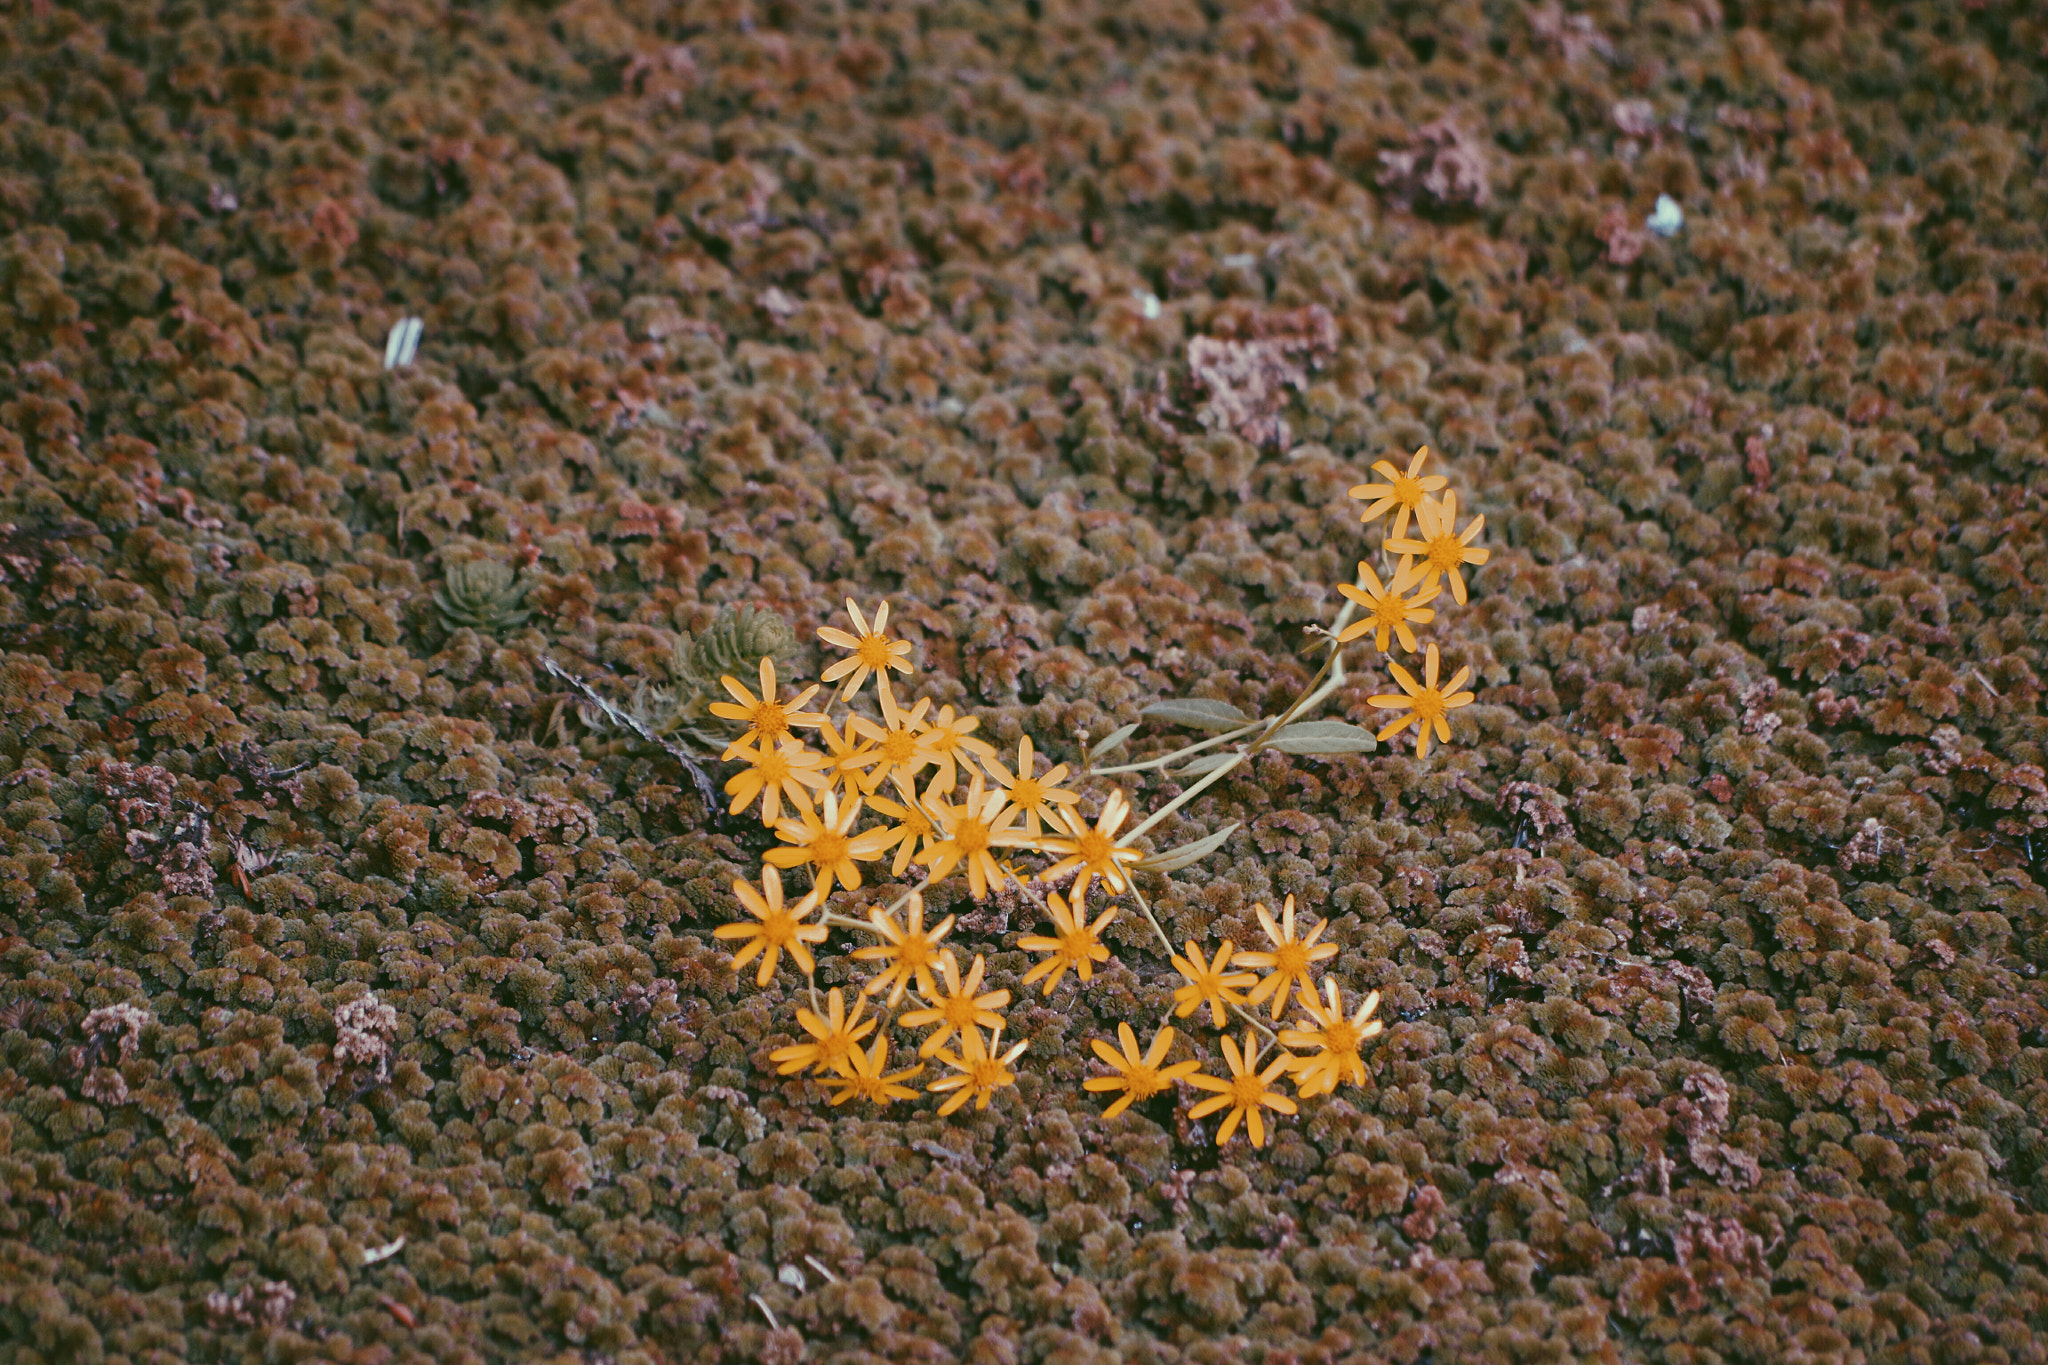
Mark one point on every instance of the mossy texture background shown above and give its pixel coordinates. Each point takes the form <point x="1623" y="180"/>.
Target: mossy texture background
<point x="1709" y="951"/>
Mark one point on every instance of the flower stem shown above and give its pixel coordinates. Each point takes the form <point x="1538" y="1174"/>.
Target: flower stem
<point x="1179" y="753"/>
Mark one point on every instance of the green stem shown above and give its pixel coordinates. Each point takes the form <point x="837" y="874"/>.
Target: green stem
<point x="1328" y="679"/>
<point x="1179" y="753"/>
<point x="1209" y="780"/>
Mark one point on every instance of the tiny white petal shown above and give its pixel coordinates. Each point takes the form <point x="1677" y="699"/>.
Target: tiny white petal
<point x="372" y="1255"/>
<point x="1667" y="218"/>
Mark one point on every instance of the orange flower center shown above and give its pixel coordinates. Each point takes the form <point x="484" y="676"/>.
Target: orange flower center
<point x="1340" y="1037"/>
<point x="916" y="952"/>
<point x="772" y="766"/>
<point x="1290" y="959"/>
<point x="828" y="849"/>
<point x="1389" y="611"/>
<point x="770" y="718"/>
<point x="1446" y="552"/>
<point x="779" y="929"/>
<point x="1095" y="847"/>
<point x="1027" y="792"/>
<point x="1430" y="705"/>
<point x="899" y="746"/>
<point x="1407" y="491"/>
<point x="1075" y="944"/>
<point x="1246" y="1091"/>
<point x="958" y="1011"/>
<point x="971" y="836"/>
<point x="942" y="741"/>
<point x="835" y="1049"/>
<point x="873" y="652"/>
<point x="1141" y="1082"/>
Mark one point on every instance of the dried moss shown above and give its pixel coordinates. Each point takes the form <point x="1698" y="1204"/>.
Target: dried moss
<point x="1710" y="956"/>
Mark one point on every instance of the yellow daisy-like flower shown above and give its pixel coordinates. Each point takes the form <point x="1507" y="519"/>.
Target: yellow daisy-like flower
<point x="873" y="651"/>
<point x="896" y="747"/>
<point x="950" y="741"/>
<point x="846" y="759"/>
<point x="1139" y="1077"/>
<point x="1077" y="944"/>
<point x="968" y="832"/>
<point x="960" y="1008"/>
<point x="1245" y="1093"/>
<point x="1401" y="493"/>
<point x="766" y="717"/>
<point x="1092" y="851"/>
<point x="980" y="1070"/>
<point x="910" y="952"/>
<point x="1036" y="797"/>
<point x="912" y="828"/>
<point x="1427" y="704"/>
<point x="1387" y="611"/>
<point x="1209" y="983"/>
<point x="868" y="1078"/>
<point x="1333" y="1043"/>
<point x="783" y="769"/>
<point x="1443" y="547"/>
<point x="835" y="1038"/>
<point x="777" y="927"/>
<point x="1290" y="960"/>
<point x="827" y="844"/>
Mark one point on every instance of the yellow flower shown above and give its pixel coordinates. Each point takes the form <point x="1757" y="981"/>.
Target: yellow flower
<point x="1290" y="960"/>
<point x="868" y="1077"/>
<point x="1078" y="943"/>
<point x="897" y="746"/>
<point x="948" y="739"/>
<point x="1429" y="704"/>
<point x="835" y="1038"/>
<point x="967" y="833"/>
<point x="1334" y="1042"/>
<point x="1244" y="1094"/>
<point x="1209" y="983"/>
<point x="778" y="928"/>
<point x="1444" y="548"/>
<point x="778" y="770"/>
<point x="1401" y="493"/>
<point x="960" y="1008"/>
<point x="1140" y="1078"/>
<point x="1036" y="797"/>
<point x="981" y="1071"/>
<point x="845" y="760"/>
<point x="910" y="952"/>
<point x="827" y="845"/>
<point x="872" y="651"/>
<point x="912" y="825"/>
<point x="1386" y="610"/>
<point x="766" y="717"/>
<point x="1094" y="852"/>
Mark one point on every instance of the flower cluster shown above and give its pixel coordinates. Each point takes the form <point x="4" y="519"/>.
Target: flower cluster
<point x="860" y="776"/>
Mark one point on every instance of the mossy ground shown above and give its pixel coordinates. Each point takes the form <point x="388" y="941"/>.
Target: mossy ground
<point x="1709" y="950"/>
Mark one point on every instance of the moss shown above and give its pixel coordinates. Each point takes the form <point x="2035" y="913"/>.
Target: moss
<point x="1708" y="962"/>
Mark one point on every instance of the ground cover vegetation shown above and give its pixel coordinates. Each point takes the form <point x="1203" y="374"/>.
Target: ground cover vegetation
<point x="367" y="824"/>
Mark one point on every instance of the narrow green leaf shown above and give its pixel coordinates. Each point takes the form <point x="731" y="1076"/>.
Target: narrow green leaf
<point x="1174" y="859"/>
<point x="1113" y="740"/>
<point x="1200" y="713"/>
<point x="1209" y="763"/>
<point x="1323" y="737"/>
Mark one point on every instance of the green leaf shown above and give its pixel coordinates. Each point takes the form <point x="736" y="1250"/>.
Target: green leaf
<point x="1323" y="737"/>
<point x="1200" y="713"/>
<point x="1174" y="859"/>
<point x="1209" y="763"/>
<point x="1113" y="740"/>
